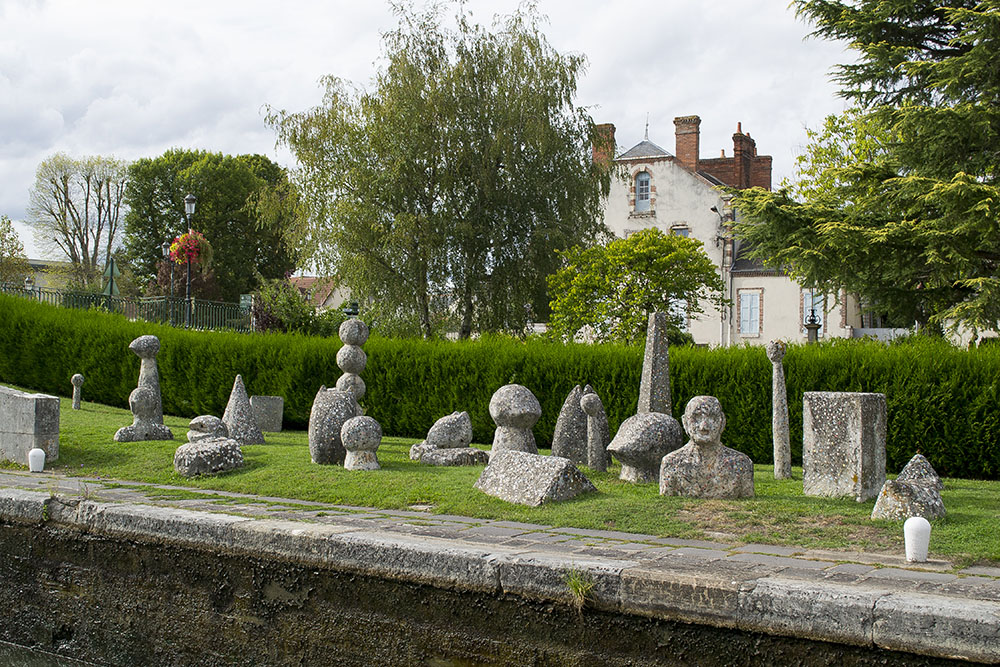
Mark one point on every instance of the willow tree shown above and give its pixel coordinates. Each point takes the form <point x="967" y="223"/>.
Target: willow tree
<point x="440" y="196"/>
<point x="898" y="199"/>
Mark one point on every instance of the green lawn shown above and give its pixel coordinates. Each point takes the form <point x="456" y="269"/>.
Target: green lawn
<point x="779" y="514"/>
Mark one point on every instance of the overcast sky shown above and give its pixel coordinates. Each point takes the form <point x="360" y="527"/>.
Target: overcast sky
<point x="133" y="78"/>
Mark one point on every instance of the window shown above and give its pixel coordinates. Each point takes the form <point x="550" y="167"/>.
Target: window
<point x="750" y="312"/>
<point x="679" y="309"/>
<point x="814" y="302"/>
<point x="681" y="230"/>
<point x="642" y="192"/>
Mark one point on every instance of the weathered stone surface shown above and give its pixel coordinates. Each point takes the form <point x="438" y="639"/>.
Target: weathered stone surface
<point x="641" y="443"/>
<point x="145" y="402"/>
<point x="920" y="470"/>
<point x="352" y="384"/>
<point x="779" y="412"/>
<point x="28" y="421"/>
<point x="454" y="430"/>
<point x="900" y="500"/>
<point x="454" y="456"/>
<point x="361" y="437"/>
<point x="207" y="457"/>
<point x="204" y="427"/>
<point x="843" y="444"/>
<point x="352" y="359"/>
<point x="353" y="332"/>
<point x="530" y="479"/>
<point x="654" y="388"/>
<point x="515" y="410"/>
<point x="704" y="467"/>
<point x="598" y="430"/>
<point x="239" y="417"/>
<point x="144" y="405"/>
<point x="330" y="409"/>
<point x="570" y="437"/>
<point x="419" y="449"/>
<point x="268" y="412"/>
<point x="77" y="382"/>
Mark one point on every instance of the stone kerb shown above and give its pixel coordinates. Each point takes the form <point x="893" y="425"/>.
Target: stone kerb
<point x="28" y="421"/>
<point x="843" y="444"/>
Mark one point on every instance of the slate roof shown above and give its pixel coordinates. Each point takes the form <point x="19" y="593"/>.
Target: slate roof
<point x="743" y="264"/>
<point x="642" y="149"/>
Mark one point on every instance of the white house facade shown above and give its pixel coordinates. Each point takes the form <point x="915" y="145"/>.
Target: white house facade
<point x="681" y="194"/>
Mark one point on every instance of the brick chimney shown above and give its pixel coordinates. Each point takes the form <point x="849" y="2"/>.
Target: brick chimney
<point x="744" y="152"/>
<point x="603" y="150"/>
<point x="687" y="133"/>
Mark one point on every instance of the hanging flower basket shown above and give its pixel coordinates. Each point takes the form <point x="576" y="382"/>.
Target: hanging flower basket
<point x="191" y="247"/>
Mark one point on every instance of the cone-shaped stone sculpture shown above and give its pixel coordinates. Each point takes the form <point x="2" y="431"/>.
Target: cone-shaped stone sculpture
<point x="570" y="438"/>
<point x="239" y="417"/>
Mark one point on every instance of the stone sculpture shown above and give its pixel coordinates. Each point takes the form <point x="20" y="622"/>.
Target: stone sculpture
<point x="147" y="409"/>
<point x="515" y="410"/>
<point x="268" y="411"/>
<point x="598" y="431"/>
<point x="330" y="409"/>
<point x="205" y="427"/>
<point x="28" y="421"/>
<point x="843" y="444"/>
<point x="704" y="467"/>
<point x="361" y="437"/>
<point x="641" y="443"/>
<point x="239" y="417"/>
<point x="77" y="382"/>
<point x="779" y="412"/>
<point x="530" y="479"/>
<point x="447" y="443"/>
<point x="207" y="457"/>
<point x="351" y="358"/>
<point x="654" y="388"/>
<point x="570" y="437"/>
<point x="916" y="491"/>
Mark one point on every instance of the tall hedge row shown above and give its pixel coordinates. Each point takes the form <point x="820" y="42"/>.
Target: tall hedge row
<point x="942" y="401"/>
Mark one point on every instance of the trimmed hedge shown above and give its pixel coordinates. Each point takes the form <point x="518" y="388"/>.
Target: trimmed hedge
<point x="943" y="401"/>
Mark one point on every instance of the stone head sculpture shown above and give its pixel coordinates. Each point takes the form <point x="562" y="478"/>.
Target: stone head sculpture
<point x="776" y="350"/>
<point x="704" y="420"/>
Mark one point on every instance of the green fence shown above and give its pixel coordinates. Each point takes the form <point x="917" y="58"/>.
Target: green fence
<point x="177" y="312"/>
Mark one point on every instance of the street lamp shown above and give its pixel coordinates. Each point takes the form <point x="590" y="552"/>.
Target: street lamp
<point x="812" y="326"/>
<point x="166" y="257"/>
<point x="189" y="203"/>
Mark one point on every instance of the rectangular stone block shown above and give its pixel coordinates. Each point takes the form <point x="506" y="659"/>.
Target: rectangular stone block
<point x="28" y="421"/>
<point x="843" y="444"/>
<point x="268" y="410"/>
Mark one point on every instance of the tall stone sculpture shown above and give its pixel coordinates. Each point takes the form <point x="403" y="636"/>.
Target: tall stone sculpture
<point x="145" y="402"/>
<point x="515" y="410"/>
<point x="77" y="382"/>
<point x="598" y="432"/>
<point x="779" y="412"/>
<point x="704" y="467"/>
<point x="330" y="410"/>
<point x="239" y="417"/>
<point x="570" y="437"/>
<point x="654" y="388"/>
<point x="351" y="358"/>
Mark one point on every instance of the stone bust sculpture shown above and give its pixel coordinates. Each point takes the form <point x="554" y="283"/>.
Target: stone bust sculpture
<point x="704" y="467"/>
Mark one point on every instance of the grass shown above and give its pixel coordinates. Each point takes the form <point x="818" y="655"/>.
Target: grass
<point x="779" y="514"/>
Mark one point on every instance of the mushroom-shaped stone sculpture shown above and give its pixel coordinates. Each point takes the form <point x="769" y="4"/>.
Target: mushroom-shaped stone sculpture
<point x="361" y="437"/>
<point x="515" y="410"/>
<point x="642" y="441"/>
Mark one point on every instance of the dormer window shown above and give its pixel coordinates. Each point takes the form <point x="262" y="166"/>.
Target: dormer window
<point x="642" y="192"/>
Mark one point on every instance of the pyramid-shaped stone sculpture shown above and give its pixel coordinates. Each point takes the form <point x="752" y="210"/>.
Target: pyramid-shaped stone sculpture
<point x="239" y="417"/>
<point x="530" y="479"/>
<point x="570" y="437"/>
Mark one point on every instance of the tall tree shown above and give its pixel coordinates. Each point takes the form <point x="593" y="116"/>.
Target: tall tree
<point x="75" y="207"/>
<point x="13" y="264"/>
<point x="898" y="199"/>
<point x="447" y="188"/>
<point x="612" y="289"/>
<point x="247" y="249"/>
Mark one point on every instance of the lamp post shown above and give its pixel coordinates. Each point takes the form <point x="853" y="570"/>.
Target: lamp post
<point x="189" y="203"/>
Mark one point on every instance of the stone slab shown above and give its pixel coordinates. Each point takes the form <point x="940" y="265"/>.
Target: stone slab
<point x="530" y="479"/>
<point x="843" y="444"/>
<point x="268" y="410"/>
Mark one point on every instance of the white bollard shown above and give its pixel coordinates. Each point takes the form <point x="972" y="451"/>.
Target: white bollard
<point x="36" y="460"/>
<point x="917" y="536"/>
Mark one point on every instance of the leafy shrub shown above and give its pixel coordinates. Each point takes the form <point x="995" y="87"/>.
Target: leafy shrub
<point x="942" y="401"/>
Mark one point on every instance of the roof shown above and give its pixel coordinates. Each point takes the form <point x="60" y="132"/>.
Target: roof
<point x="645" y="148"/>
<point x="711" y="179"/>
<point x="744" y="264"/>
<point x="317" y="289"/>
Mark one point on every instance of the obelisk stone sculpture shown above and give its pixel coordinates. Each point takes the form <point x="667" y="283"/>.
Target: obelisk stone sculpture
<point x="779" y="412"/>
<point x="654" y="388"/>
